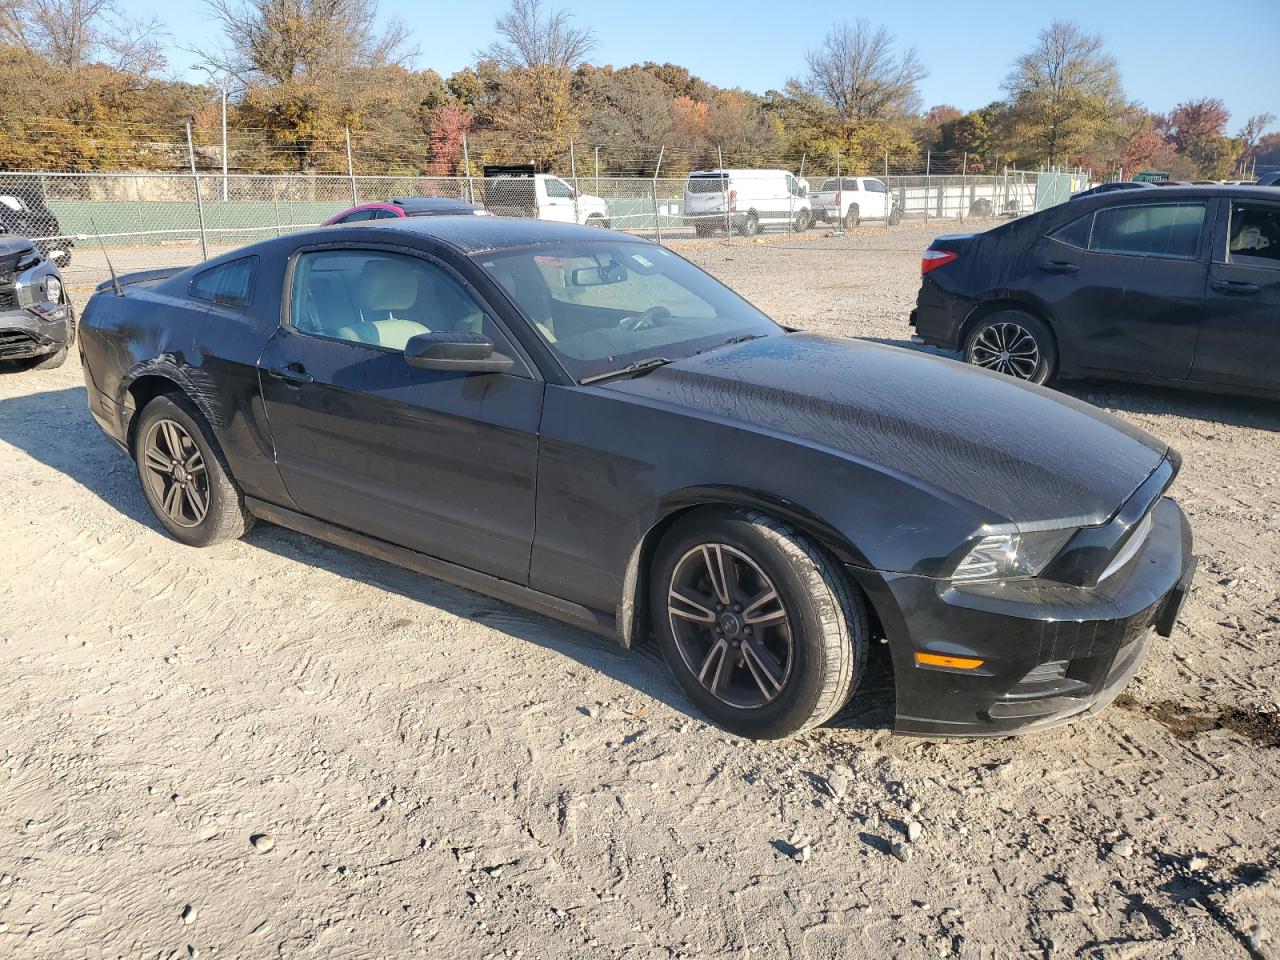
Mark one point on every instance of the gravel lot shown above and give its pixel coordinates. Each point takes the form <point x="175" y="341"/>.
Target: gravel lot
<point x="441" y="775"/>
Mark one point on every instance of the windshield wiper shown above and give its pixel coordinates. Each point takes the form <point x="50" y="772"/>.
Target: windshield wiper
<point x="638" y="367"/>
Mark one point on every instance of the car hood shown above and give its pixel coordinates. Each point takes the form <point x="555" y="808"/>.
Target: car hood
<point x="1023" y="453"/>
<point x="15" y="246"/>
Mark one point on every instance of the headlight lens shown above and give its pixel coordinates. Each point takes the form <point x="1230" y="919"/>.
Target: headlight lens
<point x="53" y="290"/>
<point x="1005" y="556"/>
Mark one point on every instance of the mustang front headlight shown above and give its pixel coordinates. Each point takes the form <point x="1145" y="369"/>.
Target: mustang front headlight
<point x="1007" y="556"/>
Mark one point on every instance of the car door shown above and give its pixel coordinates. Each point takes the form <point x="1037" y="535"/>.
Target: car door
<point x="560" y="201"/>
<point x="1240" y="336"/>
<point x="876" y="198"/>
<point x="1124" y="285"/>
<point x="440" y="462"/>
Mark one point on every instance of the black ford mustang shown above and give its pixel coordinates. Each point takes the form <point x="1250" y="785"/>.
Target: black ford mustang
<point x="585" y="424"/>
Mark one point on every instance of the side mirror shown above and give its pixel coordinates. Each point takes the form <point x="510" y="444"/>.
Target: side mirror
<point x="460" y="351"/>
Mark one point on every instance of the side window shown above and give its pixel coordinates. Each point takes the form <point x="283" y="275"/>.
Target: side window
<point x="1075" y="233"/>
<point x="385" y="215"/>
<point x="874" y="186"/>
<point x="358" y="216"/>
<point x="229" y="283"/>
<point x="1149" y="229"/>
<point x="558" y="189"/>
<point x="382" y="299"/>
<point x="1254" y="237"/>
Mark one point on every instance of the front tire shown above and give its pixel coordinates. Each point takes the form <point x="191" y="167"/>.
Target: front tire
<point x="802" y="221"/>
<point x="1013" y="343"/>
<point x="184" y="475"/>
<point x="763" y="633"/>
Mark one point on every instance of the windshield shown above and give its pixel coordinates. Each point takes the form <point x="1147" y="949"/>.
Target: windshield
<point x="602" y="306"/>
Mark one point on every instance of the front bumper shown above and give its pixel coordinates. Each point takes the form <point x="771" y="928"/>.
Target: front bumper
<point x="26" y="333"/>
<point x="1050" y="652"/>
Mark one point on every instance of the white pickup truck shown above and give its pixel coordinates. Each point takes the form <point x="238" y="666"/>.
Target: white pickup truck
<point x="850" y="200"/>
<point x="542" y="196"/>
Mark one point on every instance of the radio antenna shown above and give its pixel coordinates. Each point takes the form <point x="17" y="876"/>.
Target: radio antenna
<point x="115" y="282"/>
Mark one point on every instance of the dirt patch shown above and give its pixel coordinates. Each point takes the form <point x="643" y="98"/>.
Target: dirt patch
<point x="1187" y="723"/>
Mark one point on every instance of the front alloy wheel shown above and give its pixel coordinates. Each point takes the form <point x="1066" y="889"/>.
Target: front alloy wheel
<point x="764" y="633"/>
<point x="730" y="625"/>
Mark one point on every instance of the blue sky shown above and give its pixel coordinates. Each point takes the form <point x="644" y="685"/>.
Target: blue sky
<point x="1183" y="52"/>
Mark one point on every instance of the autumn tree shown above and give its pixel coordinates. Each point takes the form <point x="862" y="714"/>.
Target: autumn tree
<point x="537" y="51"/>
<point x="1197" y="131"/>
<point x="1061" y="92"/>
<point x="861" y="75"/>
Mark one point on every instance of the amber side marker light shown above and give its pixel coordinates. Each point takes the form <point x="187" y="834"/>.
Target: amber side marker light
<point x="939" y="660"/>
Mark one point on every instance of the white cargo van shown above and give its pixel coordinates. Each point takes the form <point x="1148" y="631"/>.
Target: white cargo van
<point x="745" y="200"/>
<point x="850" y="200"/>
<point x="543" y="197"/>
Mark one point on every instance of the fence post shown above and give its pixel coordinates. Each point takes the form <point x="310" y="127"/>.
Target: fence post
<point x="466" y="163"/>
<point x="839" y="195"/>
<point x="724" y="192"/>
<point x="657" y="217"/>
<point x="889" y="199"/>
<point x="195" y="178"/>
<point x="351" y="172"/>
<point x="964" y="185"/>
<point x="597" y="157"/>
<point x="573" y="175"/>
<point x="928" y="192"/>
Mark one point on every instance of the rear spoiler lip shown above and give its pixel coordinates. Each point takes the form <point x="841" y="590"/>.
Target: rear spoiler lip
<point x="140" y="276"/>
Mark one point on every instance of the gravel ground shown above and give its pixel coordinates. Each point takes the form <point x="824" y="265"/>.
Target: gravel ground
<point x="281" y="749"/>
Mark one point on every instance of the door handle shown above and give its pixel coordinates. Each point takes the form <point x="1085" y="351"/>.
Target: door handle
<point x="1238" y="288"/>
<point x="292" y="374"/>
<point x="1058" y="266"/>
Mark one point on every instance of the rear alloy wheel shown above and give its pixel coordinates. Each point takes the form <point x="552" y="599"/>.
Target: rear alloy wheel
<point x="763" y="633"/>
<point x="1013" y="343"/>
<point x="184" y="476"/>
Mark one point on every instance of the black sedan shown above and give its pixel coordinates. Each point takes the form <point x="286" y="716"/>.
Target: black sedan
<point x="585" y="424"/>
<point x="1178" y="286"/>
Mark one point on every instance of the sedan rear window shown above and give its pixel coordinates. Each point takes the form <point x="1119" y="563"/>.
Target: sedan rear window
<point x="1149" y="229"/>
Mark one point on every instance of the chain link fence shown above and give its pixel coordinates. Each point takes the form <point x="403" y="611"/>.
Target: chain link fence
<point x="149" y="220"/>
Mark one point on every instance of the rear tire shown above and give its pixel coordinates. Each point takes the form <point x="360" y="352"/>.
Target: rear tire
<point x="853" y="217"/>
<point x="184" y="475"/>
<point x="809" y="648"/>
<point x="750" y="224"/>
<point x="1013" y="343"/>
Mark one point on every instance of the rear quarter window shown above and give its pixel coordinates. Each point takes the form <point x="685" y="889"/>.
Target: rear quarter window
<point x="1075" y="233"/>
<point x="228" y="283"/>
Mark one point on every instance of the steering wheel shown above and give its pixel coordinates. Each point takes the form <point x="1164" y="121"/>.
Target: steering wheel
<point x="645" y="321"/>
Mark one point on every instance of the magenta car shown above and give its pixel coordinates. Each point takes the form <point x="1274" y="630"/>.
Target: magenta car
<point x="408" y="207"/>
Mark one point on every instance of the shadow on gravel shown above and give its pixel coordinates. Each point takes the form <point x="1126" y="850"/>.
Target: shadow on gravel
<point x="55" y="428"/>
<point x="639" y="669"/>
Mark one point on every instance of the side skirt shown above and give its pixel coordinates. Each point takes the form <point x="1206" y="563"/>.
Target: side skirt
<point x="545" y="604"/>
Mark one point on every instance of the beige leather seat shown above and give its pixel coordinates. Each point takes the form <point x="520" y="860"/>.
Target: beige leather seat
<point x="386" y="288"/>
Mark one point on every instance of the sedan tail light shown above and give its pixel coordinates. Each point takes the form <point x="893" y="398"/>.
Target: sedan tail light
<point x="933" y="259"/>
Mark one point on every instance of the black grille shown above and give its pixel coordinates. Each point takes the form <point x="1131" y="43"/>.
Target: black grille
<point x="14" y="344"/>
<point x="8" y="294"/>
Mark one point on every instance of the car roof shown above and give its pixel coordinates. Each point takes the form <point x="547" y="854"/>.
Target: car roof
<point x="471" y="235"/>
<point x="431" y="203"/>
<point x="1188" y="192"/>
